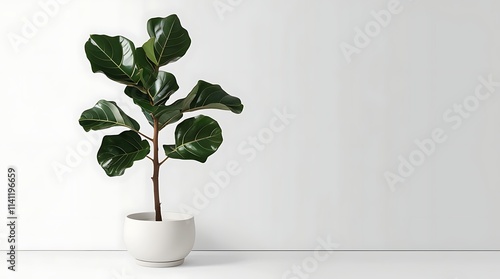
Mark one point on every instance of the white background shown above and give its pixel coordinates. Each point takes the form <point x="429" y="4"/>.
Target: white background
<point x="320" y="175"/>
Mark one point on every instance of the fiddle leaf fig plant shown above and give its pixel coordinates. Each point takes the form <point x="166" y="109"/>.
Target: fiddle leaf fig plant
<point x="150" y="88"/>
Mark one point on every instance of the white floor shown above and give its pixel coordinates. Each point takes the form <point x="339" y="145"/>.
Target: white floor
<point x="261" y="265"/>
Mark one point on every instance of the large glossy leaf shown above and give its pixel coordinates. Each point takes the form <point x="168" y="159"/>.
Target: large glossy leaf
<point x="164" y="86"/>
<point x="158" y="91"/>
<point x="106" y="114"/>
<point x="119" y="152"/>
<point x="209" y="96"/>
<point x="114" y="57"/>
<point x="169" y="40"/>
<point x="196" y="138"/>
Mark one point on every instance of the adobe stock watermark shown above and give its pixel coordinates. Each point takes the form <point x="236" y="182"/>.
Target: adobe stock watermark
<point x="363" y="37"/>
<point x="454" y="117"/>
<point x="31" y="25"/>
<point x="249" y="149"/>
<point x="76" y="153"/>
<point x="222" y="7"/>
<point x="310" y="264"/>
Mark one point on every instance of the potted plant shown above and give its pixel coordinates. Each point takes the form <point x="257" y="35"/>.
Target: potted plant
<point x="154" y="238"/>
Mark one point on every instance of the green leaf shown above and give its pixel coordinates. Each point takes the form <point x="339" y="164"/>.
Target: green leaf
<point x="196" y="138"/>
<point x="146" y="67"/>
<point x="149" y="117"/>
<point x="106" y="114"/>
<point x="166" y="115"/>
<point x="171" y="41"/>
<point x="159" y="91"/>
<point x="119" y="152"/>
<point x="149" y="49"/>
<point x="141" y="99"/>
<point x="164" y="86"/>
<point x="114" y="57"/>
<point x="209" y="96"/>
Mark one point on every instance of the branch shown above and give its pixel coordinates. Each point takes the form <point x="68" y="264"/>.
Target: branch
<point x="150" y="158"/>
<point x="163" y="161"/>
<point x="144" y="136"/>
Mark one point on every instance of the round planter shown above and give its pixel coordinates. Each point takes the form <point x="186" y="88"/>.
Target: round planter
<point x="159" y="244"/>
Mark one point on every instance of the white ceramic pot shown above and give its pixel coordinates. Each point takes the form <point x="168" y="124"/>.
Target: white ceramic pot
<point x="159" y="244"/>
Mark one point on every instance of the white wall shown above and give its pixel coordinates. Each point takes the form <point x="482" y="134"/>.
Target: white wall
<point x="318" y="175"/>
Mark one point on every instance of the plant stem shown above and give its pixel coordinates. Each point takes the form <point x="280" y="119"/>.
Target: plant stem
<point x="161" y="163"/>
<point x="156" y="172"/>
<point x="150" y="139"/>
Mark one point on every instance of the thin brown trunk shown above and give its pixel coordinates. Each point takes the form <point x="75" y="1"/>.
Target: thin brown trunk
<point x="156" y="172"/>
